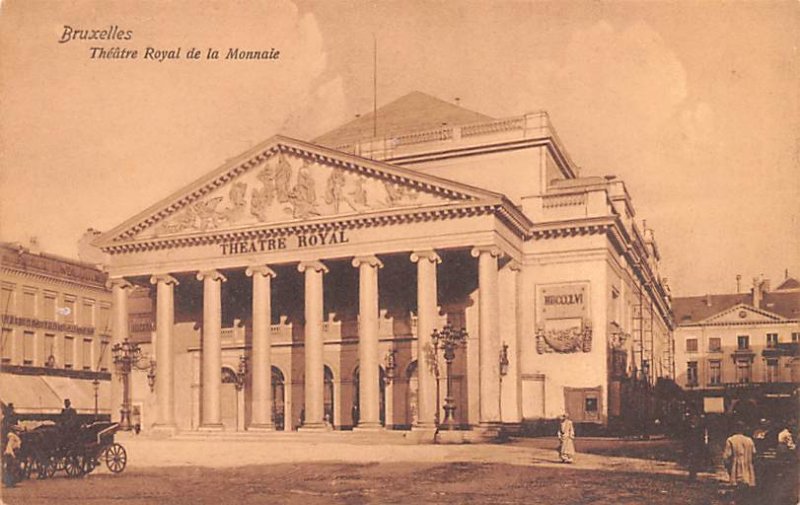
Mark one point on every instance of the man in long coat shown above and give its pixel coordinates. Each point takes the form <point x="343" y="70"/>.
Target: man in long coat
<point x="740" y="450"/>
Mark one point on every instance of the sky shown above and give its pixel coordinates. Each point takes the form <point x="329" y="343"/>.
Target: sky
<point x="693" y="104"/>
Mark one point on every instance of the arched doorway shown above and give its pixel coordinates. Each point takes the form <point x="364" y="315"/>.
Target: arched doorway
<point x="328" y="412"/>
<point x="412" y="389"/>
<point x="278" y="399"/>
<point x="356" y="410"/>
<point x="229" y="407"/>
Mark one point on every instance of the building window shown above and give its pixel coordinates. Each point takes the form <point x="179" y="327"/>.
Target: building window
<point x="795" y="337"/>
<point x="49" y="350"/>
<point x="49" y="307"/>
<point x="28" y="347"/>
<point x="87" y="314"/>
<point x="6" y="299"/>
<point x="772" y="340"/>
<point x="714" y="344"/>
<point x="743" y="342"/>
<point x="86" y="360"/>
<point x="743" y="371"/>
<point x="691" y="345"/>
<point x="69" y="351"/>
<point x="105" y="352"/>
<point x="691" y="373"/>
<point x="714" y="372"/>
<point x="104" y="319"/>
<point x="773" y="371"/>
<point x="69" y="310"/>
<point x="6" y="345"/>
<point x="29" y="304"/>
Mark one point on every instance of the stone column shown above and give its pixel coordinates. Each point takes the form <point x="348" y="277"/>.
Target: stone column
<point x="262" y="348"/>
<point x="368" y="370"/>
<point x="165" y="354"/>
<point x="212" y="349"/>
<point x="510" y="327"/>
<point x="314" y="387"/>
<point x="489" y="335"/>
<point x="119" y="326"/>
<point x="427" y="312"/>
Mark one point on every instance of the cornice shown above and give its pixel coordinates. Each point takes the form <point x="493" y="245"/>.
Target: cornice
<point x="365" y="220"/>
<point x="54" y="280"/>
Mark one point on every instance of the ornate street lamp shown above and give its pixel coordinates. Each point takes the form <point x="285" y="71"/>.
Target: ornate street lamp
<point x="241" y="373"/>
<point x="390" y="364"/>
<point x="127" y="356"/>
<point x="448" y="340"/>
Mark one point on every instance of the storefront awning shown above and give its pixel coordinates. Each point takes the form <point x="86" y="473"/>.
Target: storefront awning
<point x="35" y="394"/>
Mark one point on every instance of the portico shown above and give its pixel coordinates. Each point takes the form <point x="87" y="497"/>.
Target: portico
<point x="412" y="223"/>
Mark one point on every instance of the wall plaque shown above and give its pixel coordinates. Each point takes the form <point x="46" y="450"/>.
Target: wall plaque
<point x="563" y="324"/>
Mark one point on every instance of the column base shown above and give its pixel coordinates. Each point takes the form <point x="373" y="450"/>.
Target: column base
<point x="425" y="426"/>
<point x="315" y="427"/>
<point x="163" y="430"/>
<point x="266" y="427"/>
<point x="373" y="427"/>
<point x="211" y="427"/>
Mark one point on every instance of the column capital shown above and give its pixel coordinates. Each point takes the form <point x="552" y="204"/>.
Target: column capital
<point x="369" y="259"/>
<point x="316" y="266"/>
<point x="490" y="249"/>
<point x="514" y="266"/>
<point x="262" y="270"/>
<point x="165" y="278"/>
<point x="118" y="282"/>
<point x="428" y="254"/>
<point x="214" y="275"/>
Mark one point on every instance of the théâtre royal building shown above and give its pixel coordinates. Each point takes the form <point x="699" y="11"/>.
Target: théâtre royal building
<point x="299" y="284"/>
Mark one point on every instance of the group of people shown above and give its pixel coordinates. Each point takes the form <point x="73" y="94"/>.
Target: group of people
<point x="11" y="430"/>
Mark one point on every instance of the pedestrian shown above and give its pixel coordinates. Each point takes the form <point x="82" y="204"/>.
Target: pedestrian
<point x="10" y="463"/>
<point x="566" y="438"/>
<point x="739" y="453"/>
<point x="695" y="445"/>
<point x="785" y="440"/>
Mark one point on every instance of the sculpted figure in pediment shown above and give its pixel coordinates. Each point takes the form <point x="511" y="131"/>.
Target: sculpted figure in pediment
<point x="238" y="203"/>
<point x="207" y="215"/>
<point x="262" y="198"/>
<point x="303" y="196"/>
<point x="283" y="176"/>
<point x="359" y="194"/>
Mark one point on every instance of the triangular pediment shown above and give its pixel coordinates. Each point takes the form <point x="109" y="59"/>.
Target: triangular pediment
<point x="289" y="181"/>
<point x="743" y="314"/>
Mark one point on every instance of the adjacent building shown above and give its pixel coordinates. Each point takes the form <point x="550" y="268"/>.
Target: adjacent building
<point x="741" y="346"/>
<point x="56" y="333"/>
<point x="299" y="284"/>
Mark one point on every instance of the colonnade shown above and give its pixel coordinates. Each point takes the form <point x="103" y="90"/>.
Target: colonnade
<point x="369" y="392"/>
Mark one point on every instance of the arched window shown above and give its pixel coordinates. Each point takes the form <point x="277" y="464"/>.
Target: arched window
<point x="278" y="396"/>
<point x="228" y="375"/>
<point x="356" y="410"/>
<point x="328" y="416"/>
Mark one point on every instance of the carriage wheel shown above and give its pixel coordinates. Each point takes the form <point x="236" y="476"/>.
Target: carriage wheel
<point x="25" y="468"/>
<point x="74" y="465"/>
<point x="46" y="466"/>
<point x="116" y="458"/>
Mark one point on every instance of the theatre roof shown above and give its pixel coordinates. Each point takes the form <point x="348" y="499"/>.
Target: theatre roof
<point x="413" y="112"/>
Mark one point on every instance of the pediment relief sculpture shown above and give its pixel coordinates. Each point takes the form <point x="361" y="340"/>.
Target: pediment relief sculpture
<point x="286" y="187"/>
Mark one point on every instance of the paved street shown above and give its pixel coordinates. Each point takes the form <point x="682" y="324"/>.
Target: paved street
<point x="337" y="469"/>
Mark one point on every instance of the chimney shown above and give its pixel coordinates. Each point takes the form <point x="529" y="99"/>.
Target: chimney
<point x="33" y="245"/>
<point x="756" y="292"/>
<point x="765" y="285"/>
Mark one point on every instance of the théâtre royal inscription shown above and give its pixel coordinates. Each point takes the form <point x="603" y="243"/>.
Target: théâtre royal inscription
<point x="116" y="43"/>
<point x="301" y="241"/>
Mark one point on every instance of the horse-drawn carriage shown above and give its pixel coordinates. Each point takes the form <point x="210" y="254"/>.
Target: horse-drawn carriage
<point x="77" y="451"/>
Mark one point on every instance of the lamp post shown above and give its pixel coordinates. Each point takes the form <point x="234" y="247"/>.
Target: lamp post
<point x="241" y="373"/>
<point x="96" y="384"/>
<point x="448" y="339"/>
<point x="127" y="356"/>
<point x="503" y="365"/>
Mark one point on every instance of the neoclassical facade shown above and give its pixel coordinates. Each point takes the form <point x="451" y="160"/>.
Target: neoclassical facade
<point x="299" y="284"/>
